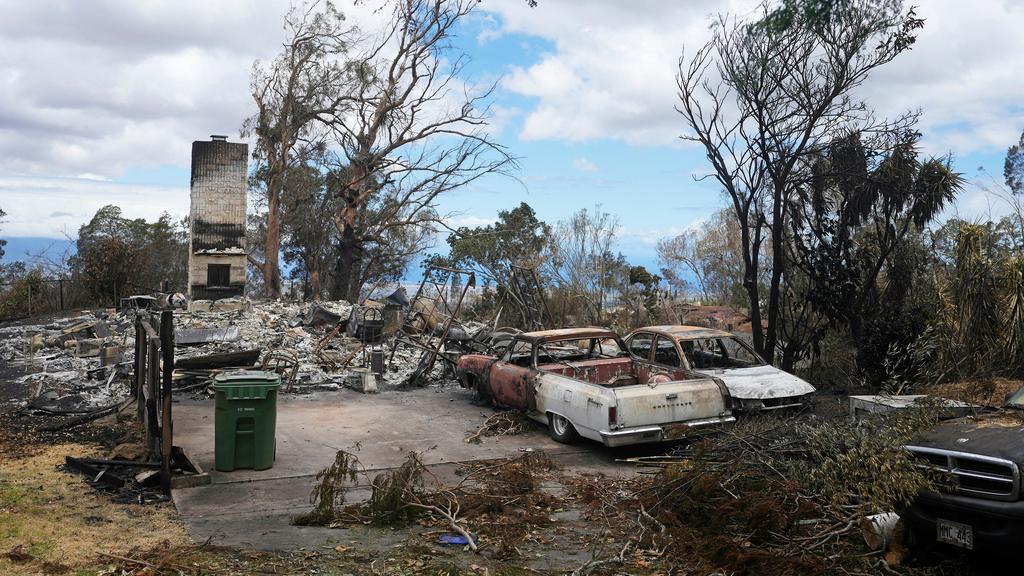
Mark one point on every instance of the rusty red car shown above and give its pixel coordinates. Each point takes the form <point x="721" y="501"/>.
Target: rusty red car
<point x="583" y="382"/>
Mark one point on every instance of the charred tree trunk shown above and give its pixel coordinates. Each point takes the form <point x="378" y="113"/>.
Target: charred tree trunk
<point x="272" y="246"/>
<point x="314" y="282"/>
<point x="751" y="252"/>
<point x="345" y="270"/>
<point x="778" y="266"/>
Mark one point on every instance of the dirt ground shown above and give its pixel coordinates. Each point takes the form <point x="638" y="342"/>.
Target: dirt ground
<point x="52" y="522"/>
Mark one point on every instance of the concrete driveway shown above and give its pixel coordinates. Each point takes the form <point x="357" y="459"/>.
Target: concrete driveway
<point x="250" y="508"/>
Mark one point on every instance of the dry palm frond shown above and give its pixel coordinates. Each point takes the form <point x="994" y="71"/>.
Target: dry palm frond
<point x="1013" y="326"/>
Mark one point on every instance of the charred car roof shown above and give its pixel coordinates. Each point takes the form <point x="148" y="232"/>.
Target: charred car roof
<point x="681" y="332"/>
<point x="567" y="334"/>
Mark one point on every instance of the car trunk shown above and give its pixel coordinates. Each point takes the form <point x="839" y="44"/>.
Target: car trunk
<point x="667" y="402"/>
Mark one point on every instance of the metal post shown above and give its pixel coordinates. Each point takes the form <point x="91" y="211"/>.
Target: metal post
<point x="140" y="368"/>
<point x="152" y="388"/>
<point x="61" y="284"/>
<point x="166" y="424"/>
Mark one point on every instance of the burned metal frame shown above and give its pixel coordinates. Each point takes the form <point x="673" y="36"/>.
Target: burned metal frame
<point x="450" y="286"/>
<point x="154" y="372"/>
<point x="526" y="293"/>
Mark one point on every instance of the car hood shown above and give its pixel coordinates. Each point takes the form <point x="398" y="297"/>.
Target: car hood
<point x="1000" y="435"/>
<point x="760" y="382"/>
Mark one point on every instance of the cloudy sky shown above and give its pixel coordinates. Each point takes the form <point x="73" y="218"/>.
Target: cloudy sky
<point x="100" y="100"/>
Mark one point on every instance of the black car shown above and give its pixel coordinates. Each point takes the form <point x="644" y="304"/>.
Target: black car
<point x="984" y="509"/>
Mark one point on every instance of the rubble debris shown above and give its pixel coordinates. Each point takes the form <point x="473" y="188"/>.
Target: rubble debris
<point x="284" y="363"/>
<point x="234" y="359"/>
<point x="110" y="354"/>
<point x="430" y="317"/>
<point x="87" y="417"/>
<point x="158" y="301"/>
<point x="879" y="529"/>
<point x="81" y="365"/>
<point x="320" y="316"/>
<point x="189" y="336"/>
<point x="119" y="478"/>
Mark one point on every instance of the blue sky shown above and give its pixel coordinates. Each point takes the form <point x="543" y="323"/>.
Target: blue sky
<point x="92" y="114"/>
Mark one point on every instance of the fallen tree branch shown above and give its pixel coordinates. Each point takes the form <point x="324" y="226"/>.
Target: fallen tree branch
<point x="84" y="418"/>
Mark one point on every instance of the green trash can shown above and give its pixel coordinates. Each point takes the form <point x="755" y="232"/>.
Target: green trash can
<point x="246" y="415"/>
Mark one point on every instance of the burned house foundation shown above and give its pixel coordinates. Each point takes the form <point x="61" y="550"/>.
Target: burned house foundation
<point x="217" y="256"/>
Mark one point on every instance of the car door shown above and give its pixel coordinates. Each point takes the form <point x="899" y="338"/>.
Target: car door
<point x="666" y="353"/>
<point x="641" y="346"/>
<point x="511" y="384"/>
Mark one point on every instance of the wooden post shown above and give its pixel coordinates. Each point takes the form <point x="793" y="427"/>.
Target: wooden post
<point x="166" y="424"/>
<point x="60" y="283"/>
<point x="140" y="369"/>
<point x="152" y="388"/>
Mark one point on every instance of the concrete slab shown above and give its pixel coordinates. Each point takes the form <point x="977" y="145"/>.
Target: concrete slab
<point x="862" y="406"/>
<point x="253" y="508"/>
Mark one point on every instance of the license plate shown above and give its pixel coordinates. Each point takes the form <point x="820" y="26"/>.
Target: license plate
<point x="675" y="431"/>
<point x="955" y="533"/>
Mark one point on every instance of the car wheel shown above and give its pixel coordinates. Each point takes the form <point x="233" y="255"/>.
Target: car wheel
<point x="561" y="429"/>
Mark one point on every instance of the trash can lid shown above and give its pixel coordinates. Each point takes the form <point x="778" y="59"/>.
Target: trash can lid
<point x="246" y="378"/>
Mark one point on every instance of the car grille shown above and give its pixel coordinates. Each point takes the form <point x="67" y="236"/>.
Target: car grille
<point x="977" y="475"/>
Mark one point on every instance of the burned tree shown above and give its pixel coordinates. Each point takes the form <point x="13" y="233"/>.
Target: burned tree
<point x="407" y="130"/>
<point x="763" y="96"/>
<point x="582" y="265"/>
<point x="300" y="84"/>
<point x="852" y="235"/>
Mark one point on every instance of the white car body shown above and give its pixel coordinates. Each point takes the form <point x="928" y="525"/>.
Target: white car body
<point x="753" y="384"/>
<point x="604" y="394"/>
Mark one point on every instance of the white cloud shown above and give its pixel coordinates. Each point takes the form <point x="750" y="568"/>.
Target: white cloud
<point x="56" y="207"/>
<point x="470" y="221"/>
<point x="584" y="165"/>
<point x="611" y="73"/>
<point x="97" y="87"/>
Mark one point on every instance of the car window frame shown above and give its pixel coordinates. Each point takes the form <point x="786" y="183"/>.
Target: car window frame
<point x="650" y="351"/>
<point x="741" y="344"/>
<point x="683" y="362"/>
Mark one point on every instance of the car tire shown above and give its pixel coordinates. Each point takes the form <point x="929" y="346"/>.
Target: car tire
<point x="561" y="429"/>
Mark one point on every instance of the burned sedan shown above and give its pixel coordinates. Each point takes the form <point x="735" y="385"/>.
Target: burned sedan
<point x="753" y="384"/>
<point x="583" y="382"/>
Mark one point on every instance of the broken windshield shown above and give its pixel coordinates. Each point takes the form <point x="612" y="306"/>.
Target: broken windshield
<point x="710" y="353"/>
<point x="575" y="350"/>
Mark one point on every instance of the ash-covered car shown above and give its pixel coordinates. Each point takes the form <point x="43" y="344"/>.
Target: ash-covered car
<point x="984" y="507"/>
<point x="583" y="382"/>
<point x="753" y="384"/>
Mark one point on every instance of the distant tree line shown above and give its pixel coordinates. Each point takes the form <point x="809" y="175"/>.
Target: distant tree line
<point x="584" y="280"/>
<point x="113" y="257"/>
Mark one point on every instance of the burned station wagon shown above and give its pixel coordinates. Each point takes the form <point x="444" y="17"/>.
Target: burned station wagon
<point x="753" y="384"/>
<point x="583" y="382"/>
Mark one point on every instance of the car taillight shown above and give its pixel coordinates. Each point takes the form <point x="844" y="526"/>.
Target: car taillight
<point x="613" y="415"/>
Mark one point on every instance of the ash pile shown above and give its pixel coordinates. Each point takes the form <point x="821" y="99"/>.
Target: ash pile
<point x="81" y="365"/>
<point x="74" y="366"/>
